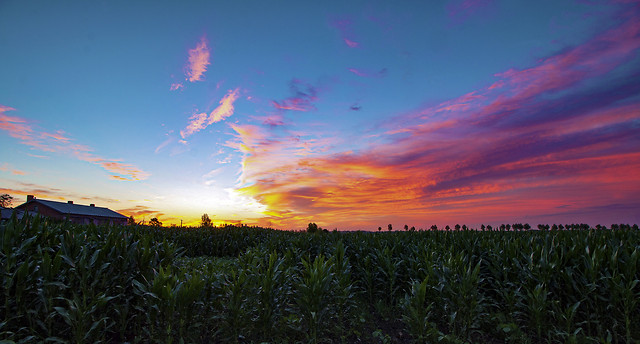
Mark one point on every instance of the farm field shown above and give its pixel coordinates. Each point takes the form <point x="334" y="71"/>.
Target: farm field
<point x="87" y="284"/>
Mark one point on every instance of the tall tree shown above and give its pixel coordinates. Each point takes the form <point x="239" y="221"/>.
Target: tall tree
<point x="131" y="221"/>
<point x="155" y="222"/>
<point x="5" y="200"/>
<point x="312" y="227"/>
<point x="205" y="221"/>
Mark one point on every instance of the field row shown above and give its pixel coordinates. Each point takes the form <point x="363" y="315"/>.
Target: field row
<point x="69" y="283"/>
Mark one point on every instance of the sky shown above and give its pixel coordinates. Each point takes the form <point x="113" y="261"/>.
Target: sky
<point x="349" y="114"/>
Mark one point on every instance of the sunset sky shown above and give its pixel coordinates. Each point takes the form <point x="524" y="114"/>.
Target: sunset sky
<point x="350" y="114"/>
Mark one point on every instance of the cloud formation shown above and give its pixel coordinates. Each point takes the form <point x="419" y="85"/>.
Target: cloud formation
<point x="40" y="191"/>
<point x="304" y="94"/>
<point x="6" y="167"/>
<point x="59" y="142"/>
<point x="200" y="121"/>
<point x="141" y="213"/>
<point x="461" y="10"/>
<point x="539" y="143"/>
<point x="198" y="61"/>
<point x="344" y="26"/>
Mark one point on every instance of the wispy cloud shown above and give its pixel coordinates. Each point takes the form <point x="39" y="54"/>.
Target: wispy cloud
<point x="176" y="86"/>
<point x="36" y="138"/>
<point x="369" y="74"/>
<point x="141" y="212"/>
<point x="264" y="151"/>
<point x="6" y="167"/>
<point x="16" y="188"/>
<point x="538" y="143"/>
<point x="461" y="10"/>
<point x="198" y="61"/>
<point x="344" y="26"/>
<point x="200" y="121"/>
<point x="304" y="94"/>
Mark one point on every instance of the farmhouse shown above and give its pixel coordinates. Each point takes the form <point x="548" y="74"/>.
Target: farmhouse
<point x="76" y="213"/>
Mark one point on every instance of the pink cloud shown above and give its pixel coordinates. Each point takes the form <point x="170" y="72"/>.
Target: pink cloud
<point x="176" y="86"/>
<point x="264" y="152"/>
<point x="197" y="123"/>
<point x="461" y="10"/>
<point x="225" y="109"/>
<point x="534" y="146"/>
<point x="369" y="74"/>
<point x="36" y="138"/>
<point x="198" y="61"/>
<point x="200" y="121"/>
<point x="351" y="43"/>
<point x="344" y="27"/>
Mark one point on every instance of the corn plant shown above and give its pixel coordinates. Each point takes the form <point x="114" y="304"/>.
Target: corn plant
<point x="313" y="295"/>
<point x="417" y="313"/>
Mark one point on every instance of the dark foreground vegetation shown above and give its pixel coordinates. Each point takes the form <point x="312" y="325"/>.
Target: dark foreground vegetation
<point x="84" y="284"/>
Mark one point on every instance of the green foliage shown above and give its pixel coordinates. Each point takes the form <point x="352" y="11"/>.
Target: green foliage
<point x="6" y="200"/>
<point x="205" y="221"/>
<point x="154" y="222"/>
<point x="62" y="282"/>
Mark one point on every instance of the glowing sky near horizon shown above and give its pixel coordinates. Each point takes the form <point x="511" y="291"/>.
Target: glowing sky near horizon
<point x="351" y="114"/>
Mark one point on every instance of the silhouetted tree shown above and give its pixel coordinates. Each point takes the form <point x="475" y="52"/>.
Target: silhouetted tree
<point x="155" y="222"/>
<point x="457" y="227"/>
<point x="482" y="227"/>
<point x="379" y="229"/>
<point x="413" y="228"/>
<point x="312" y="227"/>
<point x="434" y="228"/>
<point x="131" y="221"/>
<point x="5" y="200"/>
<point x="447" y="228"/>
<point x="205" y="221"/>
<point x="406" y="227"/>
<point x="389" y="227"/>
<point x="489" y="228"/>
<point x="527" y="226"/>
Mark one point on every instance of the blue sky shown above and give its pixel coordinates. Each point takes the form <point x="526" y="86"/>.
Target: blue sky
<point x="95" y="96"/>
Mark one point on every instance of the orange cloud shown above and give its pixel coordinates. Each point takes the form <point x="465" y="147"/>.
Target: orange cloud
<point x="140" y="211"/>
<point x="202" y="120"/>
<point x="123" y="171"/>
<point x="41" y="191"/>
<point x="198" y="61"/>
<point x="6" y="167"/>
<point x="506" y="152"/>
<point x="20" y="129"/>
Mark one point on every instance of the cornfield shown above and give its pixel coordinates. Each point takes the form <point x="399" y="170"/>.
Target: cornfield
<point x="62" y="282"/>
